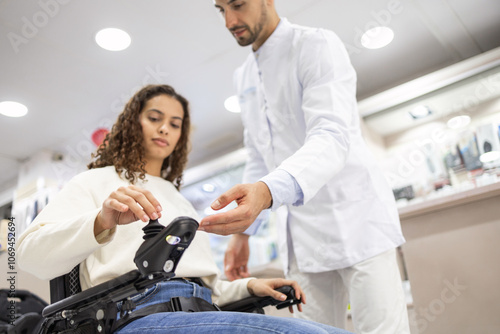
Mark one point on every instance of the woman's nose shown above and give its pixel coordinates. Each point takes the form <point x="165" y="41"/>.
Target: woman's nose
<point x="164" y="128"/>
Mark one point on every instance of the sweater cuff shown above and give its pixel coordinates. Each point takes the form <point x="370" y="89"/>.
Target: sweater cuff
<point x="105" y="236"/>
<point x="232" y="291"/>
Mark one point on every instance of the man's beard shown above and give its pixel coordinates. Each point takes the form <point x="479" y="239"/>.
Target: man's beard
<point x="254" y="34"/>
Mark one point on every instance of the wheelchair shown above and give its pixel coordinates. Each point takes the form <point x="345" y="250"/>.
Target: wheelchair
<point x="22" y="317"/>
<point x="95" y="309"/>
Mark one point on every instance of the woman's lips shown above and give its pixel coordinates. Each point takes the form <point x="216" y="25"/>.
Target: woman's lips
<point x="160" y="142"/>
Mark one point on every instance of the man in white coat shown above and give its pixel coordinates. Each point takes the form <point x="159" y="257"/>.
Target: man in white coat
<point x="338" y="225"/>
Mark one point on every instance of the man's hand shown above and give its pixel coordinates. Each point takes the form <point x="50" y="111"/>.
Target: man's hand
<point x="266" y="287"/>
<point x="251" y="198"/>
<point x="236" y="257"/>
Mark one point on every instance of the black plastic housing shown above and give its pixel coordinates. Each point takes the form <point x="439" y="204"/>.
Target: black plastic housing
<point x="162" y="251"/>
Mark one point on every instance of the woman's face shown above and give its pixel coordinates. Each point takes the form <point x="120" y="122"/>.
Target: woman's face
<point x="161" y="120"/>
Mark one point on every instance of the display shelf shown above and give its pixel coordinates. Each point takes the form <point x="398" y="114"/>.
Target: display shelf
<point x="449" y="200"/>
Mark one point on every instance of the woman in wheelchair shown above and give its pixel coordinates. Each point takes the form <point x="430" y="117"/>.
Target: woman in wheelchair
<point x="96" y="219"/>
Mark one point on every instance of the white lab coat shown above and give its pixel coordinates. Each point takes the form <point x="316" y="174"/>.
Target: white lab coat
<point x="297" y="95"/>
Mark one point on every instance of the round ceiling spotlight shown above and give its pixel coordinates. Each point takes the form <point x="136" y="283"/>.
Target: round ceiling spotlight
<point x="231" y="104"/>
<point x="113" y="39"/>
<point x="208" y="188"/>
<point x="377" y="37"/>
<point x="420" y="111"/>
<point x="13" y="109"/>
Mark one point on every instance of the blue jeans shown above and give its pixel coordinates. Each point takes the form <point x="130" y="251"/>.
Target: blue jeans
<point x="210" y="322"/>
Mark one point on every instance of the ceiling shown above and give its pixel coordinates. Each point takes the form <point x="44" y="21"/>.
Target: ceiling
<point x="50" y="62"/>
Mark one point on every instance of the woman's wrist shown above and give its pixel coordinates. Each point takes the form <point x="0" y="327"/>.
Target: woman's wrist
<point x="250" y="284"/>
<point x="98" y="226"/>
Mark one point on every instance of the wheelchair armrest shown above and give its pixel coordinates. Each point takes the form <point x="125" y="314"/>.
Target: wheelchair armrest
<point x="92" y="294"/>
<point x="256" y="304"/>
<point x="156" y="260"/>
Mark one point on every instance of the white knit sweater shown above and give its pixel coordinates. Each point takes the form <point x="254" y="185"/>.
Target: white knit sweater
<point x="62" y="236"/>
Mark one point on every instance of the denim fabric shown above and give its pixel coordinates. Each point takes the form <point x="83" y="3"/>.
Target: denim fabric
<point x="210" y="322"/>
<point x="163" y="292"/>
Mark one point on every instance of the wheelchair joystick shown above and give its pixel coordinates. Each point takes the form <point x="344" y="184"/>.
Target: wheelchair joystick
<point x="163" y="246"/>
<point x="152" y="229"/>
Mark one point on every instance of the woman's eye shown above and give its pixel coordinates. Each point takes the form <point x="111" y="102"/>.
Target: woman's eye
<point x="153" y="119"/>
<point x="175" y="126"/>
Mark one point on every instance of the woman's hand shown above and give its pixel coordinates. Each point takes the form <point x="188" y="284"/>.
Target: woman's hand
<point x="266" y="287"/>
<point x="127" y="205"/>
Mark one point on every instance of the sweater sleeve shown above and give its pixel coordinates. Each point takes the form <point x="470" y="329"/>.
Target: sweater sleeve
<point x="62" y="235"/>
<point x="227" y="292"/>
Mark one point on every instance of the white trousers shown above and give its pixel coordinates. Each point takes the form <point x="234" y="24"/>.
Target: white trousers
<point x="373" y="288"/>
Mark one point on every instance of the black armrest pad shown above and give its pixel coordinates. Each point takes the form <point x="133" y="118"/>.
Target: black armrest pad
<point x="57" y="289"/>
<point x="93" y="293"/>
<point x="252" y="303"/>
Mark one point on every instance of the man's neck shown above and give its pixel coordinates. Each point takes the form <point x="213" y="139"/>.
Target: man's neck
<point x="273" y="24"/>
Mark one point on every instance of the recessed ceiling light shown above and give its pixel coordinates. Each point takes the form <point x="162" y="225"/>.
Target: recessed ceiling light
<point x="377" y="37"/>
<point x="208" y="187"/>
<point x="458" y="122"/>
<point x="13" y="109"/>
<point x="113" y="39"/>
<point x="232" y="104"/>
<point x="420" y="112"/>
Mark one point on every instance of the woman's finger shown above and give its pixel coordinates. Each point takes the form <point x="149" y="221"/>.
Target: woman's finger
<point x="125" y="199"/>
<point x="147" y="202"/>
<point x="114" y="204"/>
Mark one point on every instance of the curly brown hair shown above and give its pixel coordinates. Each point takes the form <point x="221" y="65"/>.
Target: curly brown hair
<point x="123" y="146"/>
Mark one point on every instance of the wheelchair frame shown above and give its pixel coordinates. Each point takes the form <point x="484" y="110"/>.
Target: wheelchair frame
<point x="94" y="310"/>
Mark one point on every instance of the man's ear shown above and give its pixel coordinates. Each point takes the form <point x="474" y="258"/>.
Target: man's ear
<point x="270" y="5"/>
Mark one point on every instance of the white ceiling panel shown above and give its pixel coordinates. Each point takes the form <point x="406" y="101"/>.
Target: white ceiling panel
<point x="50" y="62"/>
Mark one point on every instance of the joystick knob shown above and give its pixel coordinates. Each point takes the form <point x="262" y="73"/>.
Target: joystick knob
<point x="152" y="229"/>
